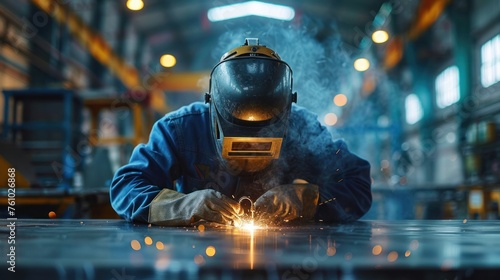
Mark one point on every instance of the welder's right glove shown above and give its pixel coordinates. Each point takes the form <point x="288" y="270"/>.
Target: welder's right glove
<point x="287" y="202"/>
<point x="171" y="208"/>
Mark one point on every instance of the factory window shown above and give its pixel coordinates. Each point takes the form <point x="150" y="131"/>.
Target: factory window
<point x="413" y="109"/>
<point x="447" y="88"/>
<point x="490" y="62"/>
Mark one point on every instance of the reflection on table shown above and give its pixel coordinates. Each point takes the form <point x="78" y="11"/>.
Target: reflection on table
<point x="106" y="249"/>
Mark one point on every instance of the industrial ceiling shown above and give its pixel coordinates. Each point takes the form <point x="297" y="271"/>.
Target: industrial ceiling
<point x="320" y="43"/>
<point x="182" y="27"/>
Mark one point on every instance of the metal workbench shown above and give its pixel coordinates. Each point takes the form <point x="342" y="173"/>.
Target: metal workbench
<point x="115" y="249"/>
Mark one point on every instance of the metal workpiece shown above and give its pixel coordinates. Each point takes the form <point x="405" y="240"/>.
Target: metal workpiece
<point x="107" y="249"/>
<point x="252" y="206"/>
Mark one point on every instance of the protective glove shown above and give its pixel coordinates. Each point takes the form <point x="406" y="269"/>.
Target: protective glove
<point x="171" y="208"/>
<point x="288" y="202"/>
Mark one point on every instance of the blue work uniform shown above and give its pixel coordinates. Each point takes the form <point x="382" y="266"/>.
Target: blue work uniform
<point x="180" y="155"/>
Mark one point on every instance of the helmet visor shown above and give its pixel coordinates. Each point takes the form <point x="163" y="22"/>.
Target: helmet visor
<point x="252" y="92"/>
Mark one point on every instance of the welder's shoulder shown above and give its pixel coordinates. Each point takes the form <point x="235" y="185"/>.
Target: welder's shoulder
<point x="300" y="114"/>
<point x="299" y="110"/>
<point x="193" y="111"/>
<point x="306" y="119"/>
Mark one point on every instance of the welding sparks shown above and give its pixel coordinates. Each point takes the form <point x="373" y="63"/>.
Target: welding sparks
<point x="250" y="226"/>
<point x="327" y="201"/>
<point x="252" y="205"/>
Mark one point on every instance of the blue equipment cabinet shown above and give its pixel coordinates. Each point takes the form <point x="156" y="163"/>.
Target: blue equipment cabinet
<point x="46" y="124"/>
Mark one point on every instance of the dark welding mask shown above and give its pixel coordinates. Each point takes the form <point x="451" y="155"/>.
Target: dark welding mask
<point x="250" y="101"/>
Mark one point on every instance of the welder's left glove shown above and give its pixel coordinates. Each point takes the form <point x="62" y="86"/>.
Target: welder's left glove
<point x="288" y="202"/>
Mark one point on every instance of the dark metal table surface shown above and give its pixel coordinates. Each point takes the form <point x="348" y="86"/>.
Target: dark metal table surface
<point x="115" y="249"/>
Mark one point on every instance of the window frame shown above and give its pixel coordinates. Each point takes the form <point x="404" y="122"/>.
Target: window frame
<point x="493" y="63"/>
<point x="443" y="98"/>
<point x="419" y="112"/>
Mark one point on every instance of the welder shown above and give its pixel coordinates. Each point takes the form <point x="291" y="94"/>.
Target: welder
<point x="247" y="140"/>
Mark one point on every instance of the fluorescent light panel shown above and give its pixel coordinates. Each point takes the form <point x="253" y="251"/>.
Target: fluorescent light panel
<point x="251" y="8"/>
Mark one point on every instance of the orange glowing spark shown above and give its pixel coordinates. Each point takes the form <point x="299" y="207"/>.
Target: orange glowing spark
<point x="377" y="249"/>
<point x="201" y="228"/>
<point x="393" y="256"/>
<point x="135" y="245"/>
<point x="199" y="259"/>
<point x="210" y="251"/>
<point x="331" y="251"/>
<point x="160" y="246"/>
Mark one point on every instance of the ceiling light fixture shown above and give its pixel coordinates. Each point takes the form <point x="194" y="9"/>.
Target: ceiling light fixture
<point x="380" y="36"/>
<point x="361" y="64"/>
<point x="135" y="5"/>
<point x="251" y="8"/>
<point x="168" y="60"/>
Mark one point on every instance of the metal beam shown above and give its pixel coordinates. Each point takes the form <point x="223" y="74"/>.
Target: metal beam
<point x="91" y="40"/>
<point x="191" y="82"/>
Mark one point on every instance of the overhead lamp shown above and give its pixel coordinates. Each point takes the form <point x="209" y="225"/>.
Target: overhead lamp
<point x="168" y="60"/>
<point x="361" y="64"/>
<point x="135" y="5"/>
<point x="340" y="99"/>
<point x="251" y="8"/>
<point x="380" y="36"/>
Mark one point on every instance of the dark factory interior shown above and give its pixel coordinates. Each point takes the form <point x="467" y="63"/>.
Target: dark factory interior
<point x="410" y="86"/>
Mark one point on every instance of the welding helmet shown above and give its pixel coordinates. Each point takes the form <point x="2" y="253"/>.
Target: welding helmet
<point x="250" y="100"/>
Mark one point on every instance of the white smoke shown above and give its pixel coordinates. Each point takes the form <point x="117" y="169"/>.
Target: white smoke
<point x="318" y="67"/>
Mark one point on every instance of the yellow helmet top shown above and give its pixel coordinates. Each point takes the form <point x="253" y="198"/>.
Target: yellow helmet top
<point x="250" y="48"/>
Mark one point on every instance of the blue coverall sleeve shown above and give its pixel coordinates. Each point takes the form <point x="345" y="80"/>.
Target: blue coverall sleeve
<point x="152" y="167"/>
<point x="345" y="186"/>
<point x="342" y="177"/>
